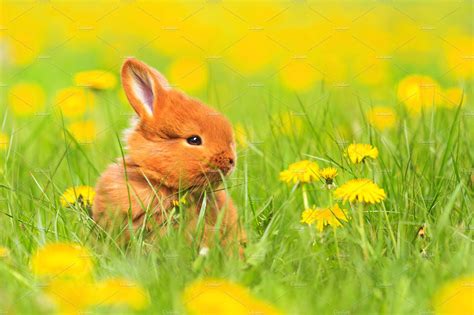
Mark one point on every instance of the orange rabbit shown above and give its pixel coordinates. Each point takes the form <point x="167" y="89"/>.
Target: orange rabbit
<point x="178" y="145"/>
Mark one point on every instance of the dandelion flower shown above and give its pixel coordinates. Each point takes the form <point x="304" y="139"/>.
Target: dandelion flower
<point x="303" y="171"/>
<point x="418" y="92"/>
<point x="70" y="296"/>
<point x="360" y="190"/>
<point x="74" y="101"/>
<point x="218" y="296"/>
<point x="328" y="174"/>
<point x="81" y="195"/>
<point x="455" y="297"/>
<point x="95" y="79"/>
<point x="324" y="216"/>
<point x="382" y="117"/>
<point x="26" y="99"/>
<point x="117" y="291"/>
<point x="330" y="216"/>
<point x="62" y="260"/>
<point x="4" y="252"/>
<point x="309" y="216"/>
<point x="360" y="152"/>
<point x="4" y="140"/>
<point x="299" y="75"/>
<point x="452" y="98"/>
<point x="83" y="131"/>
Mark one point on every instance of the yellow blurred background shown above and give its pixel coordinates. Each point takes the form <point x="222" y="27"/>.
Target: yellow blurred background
<point x="299" y="43"/>
<point x="248" y="59"/>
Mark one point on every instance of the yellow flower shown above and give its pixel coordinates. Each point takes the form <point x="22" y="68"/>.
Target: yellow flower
<point x="303" y="171"/>
<point x="181" y="201"/>
<point x="381" y="117"/>
<point x="4" y="140"/>
<point x="95" y="79"/>
<point x="299" y="75"/>
<point x="417" y="92"/>
<point x="328" y="174"/>
<point x="330" y="216"/>
<point x="26" y="99"/>
<point x="309" y="216"/>
<point x="218" y="296"/>
<point x="189" y="74"/>
<point x="117" y="291"/>
<point x="452" y="98"/>
<point x="83" y="131"/>
<point x="74" y="101"/>
<point x="360" y="190"/>
<point x="62" y="260"/>
<point x="4" y="252"/>
<point x="359" y="152"/>
<point x="82" y="195"/>
<point x="252" y="53"/>
<point x="71" y="296"/>
<point x="455" y="297"/>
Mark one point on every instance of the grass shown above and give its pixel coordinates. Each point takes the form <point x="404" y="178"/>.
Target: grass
<point x="425" y="167"/>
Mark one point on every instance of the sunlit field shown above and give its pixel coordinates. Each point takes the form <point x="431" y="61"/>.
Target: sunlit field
<point x="354" y="180"/>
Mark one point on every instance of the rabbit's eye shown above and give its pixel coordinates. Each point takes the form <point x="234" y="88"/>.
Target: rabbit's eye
<point x="194" y="140"/>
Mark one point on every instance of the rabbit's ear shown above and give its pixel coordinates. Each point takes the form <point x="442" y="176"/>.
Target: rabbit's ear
<point x="144" y="86"/>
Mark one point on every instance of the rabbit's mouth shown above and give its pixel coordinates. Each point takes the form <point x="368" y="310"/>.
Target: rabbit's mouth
<point x="220" y="170"/>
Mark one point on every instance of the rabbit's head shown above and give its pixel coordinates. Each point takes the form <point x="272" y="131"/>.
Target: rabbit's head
<point x="177" y="140"/>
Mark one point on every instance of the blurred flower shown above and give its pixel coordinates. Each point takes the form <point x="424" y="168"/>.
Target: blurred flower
<point x="218" y="296"/>
<point x="74" y="101"/>
<point x="62" y="260"/>
<point x="188" y="74"/>
<point x="289" y="123"/>
<point x="417" y="92"/>
<point x="358" y="152"/>
<point x="328" y="174"/>
<point x="95" y="79"/>
<point x="381" y="117"/>
<point x="4" y="252"/>
<point x="70" y="296"/>
<point x="452" y="97"/>
<point x="252" y="53"/>
<point x="117" y="291"/>
<point x="324" y="216"/>
<point x="360" y="190"/>
<point x="81" y="195"/>
<point x="24" y="45"/>
<point x="180" y="201"/>
<point x="241" y="135"/>
<point x="298" y="75"/>
<point x="455" y="297"/>
<point x="83" y="131"/>
<point x="26" y="99"/>
<point x="4" y="140"/>
<point x="303" y="172"/>
<point x="460" y="63"/>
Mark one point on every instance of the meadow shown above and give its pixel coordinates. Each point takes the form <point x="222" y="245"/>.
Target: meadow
<point x="321" y="95"/>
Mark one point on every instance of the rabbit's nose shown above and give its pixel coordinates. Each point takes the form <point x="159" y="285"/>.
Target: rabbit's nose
<point x="224" y="163"/>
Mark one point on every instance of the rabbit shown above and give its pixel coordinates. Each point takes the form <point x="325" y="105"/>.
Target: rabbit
<point x="177" y="146"/>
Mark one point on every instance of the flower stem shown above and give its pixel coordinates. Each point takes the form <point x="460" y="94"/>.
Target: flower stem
<point x="337" y="246"/>
<point x="305" y="196"/>
<point x="365" y="245"/>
